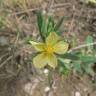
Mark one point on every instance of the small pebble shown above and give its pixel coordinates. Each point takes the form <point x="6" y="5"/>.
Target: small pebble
<point x="44" y="12"/>
<point x="46" y="71"/>
<point x="47" y="89"/>
<point x="77" y="93"/>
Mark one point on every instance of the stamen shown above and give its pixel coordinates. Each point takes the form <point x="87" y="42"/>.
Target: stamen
<point x="49" y="49"/>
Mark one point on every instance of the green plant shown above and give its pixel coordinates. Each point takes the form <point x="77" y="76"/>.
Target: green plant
<point x="47" y="25"/>
<point x="2" y="22"/>
<point x="81" y="58"/>
<point x="91" y="1"/>
<point x="51" y="44"/>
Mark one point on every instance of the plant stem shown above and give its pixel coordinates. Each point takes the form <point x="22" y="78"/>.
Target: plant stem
<point x="50" y="79"/>
<point x="81" y="46"/>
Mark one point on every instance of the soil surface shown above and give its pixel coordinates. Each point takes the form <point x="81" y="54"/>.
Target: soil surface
<point x="18" y="77"/>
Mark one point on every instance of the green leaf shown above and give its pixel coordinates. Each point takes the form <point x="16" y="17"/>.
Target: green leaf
<point x="65" y="62"/>
<point x="58" y="25"/>
<point x="44" y="27"/>
<point x="69" y="56"/>
<point x="90" y="71"/>
<point x="39" y="19"/>
<point x="86" y="58"/>
<point x="63" y="68"/>
<point x="92" y="1"/>
<point x="87" y="67"/>
<point x="89" y="40"/>
<point x="77" y="66"/>
<point x="50" y="25"/>
<point x="41" y="24"/>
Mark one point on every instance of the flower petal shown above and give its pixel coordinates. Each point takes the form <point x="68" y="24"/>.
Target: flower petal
<point x="40" y="61"/>
<point x="52" y="38"/>
<point x="52" y="61"/>
<point x="61" y="47"/>
<point x="38" y="46"/>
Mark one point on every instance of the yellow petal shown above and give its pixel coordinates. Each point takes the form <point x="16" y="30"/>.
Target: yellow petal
<point x="52" y="61"/>
<point x="40" y="61"/>
<point x="61" y="47"/>
<point x="52" y="38"/>
<point x="38" y="46"/>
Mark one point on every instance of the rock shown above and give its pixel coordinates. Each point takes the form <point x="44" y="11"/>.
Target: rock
<point x="4" y="41"/>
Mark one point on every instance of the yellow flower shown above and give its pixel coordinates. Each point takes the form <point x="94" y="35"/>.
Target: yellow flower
<point x="53" y="45"/>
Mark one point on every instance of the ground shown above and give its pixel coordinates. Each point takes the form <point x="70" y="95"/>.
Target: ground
<point x="17" y="23"/>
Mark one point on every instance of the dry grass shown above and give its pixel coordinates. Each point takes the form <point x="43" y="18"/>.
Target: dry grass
<point x="22" y="4"/>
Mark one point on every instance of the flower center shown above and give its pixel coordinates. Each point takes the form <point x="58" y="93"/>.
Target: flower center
<point x="49" y="49"/>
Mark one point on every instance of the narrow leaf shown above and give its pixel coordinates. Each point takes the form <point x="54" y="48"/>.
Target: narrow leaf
<point x="69" y="56"/>
<point x="77" y="66"/>
<point x="41" y="24"/>
<point x="86" y="58"/>
<point x="89" y="40"/>
<point x="87" y="67"/>
<point x="58" y="25"/>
